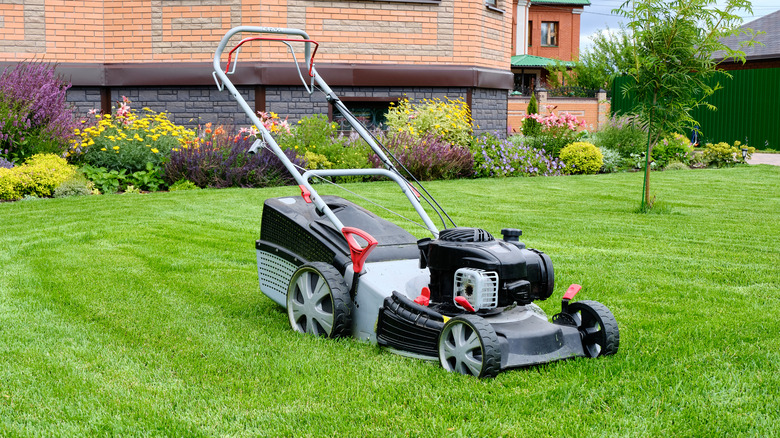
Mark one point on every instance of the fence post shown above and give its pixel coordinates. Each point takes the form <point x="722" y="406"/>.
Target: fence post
<point x="602" y="108"/>
<point x="541" y="95"/>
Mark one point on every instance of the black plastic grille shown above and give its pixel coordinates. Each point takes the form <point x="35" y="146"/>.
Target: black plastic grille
<point x="280" y="230"/>
<point x="404" y="327"/>
<point x="465" y="235"/>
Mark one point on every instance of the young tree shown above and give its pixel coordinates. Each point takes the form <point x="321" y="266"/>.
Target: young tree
<point x="531" y="126"/>
<point x="609" y="56"/>
<point x="673" y="42"/>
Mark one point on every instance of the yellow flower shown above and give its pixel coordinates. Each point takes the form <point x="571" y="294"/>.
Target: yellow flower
<point x="116" y="148"/>
<point x="102" y="149"/>
<point x="154" y="150"/>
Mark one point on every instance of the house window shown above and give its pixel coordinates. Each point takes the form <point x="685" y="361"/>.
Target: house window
<point x="491" y="3"/>
<point x="530" y="32"/>
<point x="369" y="111"/>
<point x="550" y="33"/>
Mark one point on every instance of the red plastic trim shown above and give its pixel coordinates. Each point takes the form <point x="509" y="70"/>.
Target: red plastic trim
<point x="572" y="291"/>
<point x="465" y="304"/>
<point x="240" y="43"/>
<point x="357" y="253"/>
<point x="425" y="297"/>
<point x="305" y="193"/>
<point x="416" y="193"/>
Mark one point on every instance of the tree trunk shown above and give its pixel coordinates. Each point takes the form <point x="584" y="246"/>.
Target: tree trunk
<point x="646" y="204"/>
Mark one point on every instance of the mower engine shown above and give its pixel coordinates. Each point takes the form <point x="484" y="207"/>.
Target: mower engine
<point x="471" y="270"/>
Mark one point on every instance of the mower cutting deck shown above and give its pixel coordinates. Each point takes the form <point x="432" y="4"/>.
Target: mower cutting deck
<point x="462" y="297"/>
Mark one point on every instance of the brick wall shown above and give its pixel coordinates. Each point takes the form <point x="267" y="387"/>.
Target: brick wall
<point x="568" y="48"/>
<point x="593" y="110"/>
<point x="158" y="52"/>
<point x="458" y="32"/>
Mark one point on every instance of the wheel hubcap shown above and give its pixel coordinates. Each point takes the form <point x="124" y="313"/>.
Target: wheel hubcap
<point x="592" y="332"/>
<point x="311" y="305"/>
<point x="461" y="350"/>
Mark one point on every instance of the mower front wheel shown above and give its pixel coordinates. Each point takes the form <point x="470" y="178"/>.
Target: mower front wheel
<point x="318" y="301"/>
<point x="469" y="345"/>
<point x="597" y="326"/>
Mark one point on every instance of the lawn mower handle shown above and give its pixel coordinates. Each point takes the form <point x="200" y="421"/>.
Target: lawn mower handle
<point x="222" y="80"/>
<point x="407" y="190"/>
<point x="259" y="29"/>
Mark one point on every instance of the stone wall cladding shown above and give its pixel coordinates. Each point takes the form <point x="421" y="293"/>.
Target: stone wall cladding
<point x="83" y="100"/>
<point x="188" y="106"/>
<point x="296" y="103"/>
<point x="489" y="110"/>
<point x="488" y="105"/>
<point x="192" y="106"/>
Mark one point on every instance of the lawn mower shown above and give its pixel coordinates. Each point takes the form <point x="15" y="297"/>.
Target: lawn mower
<point x="461" y="296"/>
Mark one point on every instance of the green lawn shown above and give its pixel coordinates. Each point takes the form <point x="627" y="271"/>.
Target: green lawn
<point x="140" y="315"/>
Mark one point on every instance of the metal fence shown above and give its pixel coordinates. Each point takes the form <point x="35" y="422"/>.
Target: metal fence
<point x="748" y="107"/>
<point x="571" y="91"/>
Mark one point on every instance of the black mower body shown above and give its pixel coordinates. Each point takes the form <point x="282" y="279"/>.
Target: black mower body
<point x="294" y="232"/>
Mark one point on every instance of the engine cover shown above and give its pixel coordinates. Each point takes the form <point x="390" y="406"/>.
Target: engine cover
<point x="523" y="275"/>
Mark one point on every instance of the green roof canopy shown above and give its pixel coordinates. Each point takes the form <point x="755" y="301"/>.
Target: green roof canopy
<point x="536" y="61"/>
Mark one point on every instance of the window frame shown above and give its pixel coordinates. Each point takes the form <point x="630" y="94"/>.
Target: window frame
<point x="547" y="41"/>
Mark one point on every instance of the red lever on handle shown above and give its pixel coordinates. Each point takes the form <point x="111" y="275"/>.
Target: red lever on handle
<point x="357" y="253"/>
<point x="305" y="193"/>
<point x="572" y="291"/>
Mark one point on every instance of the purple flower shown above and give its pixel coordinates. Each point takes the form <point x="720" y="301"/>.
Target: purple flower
<point x="229" y="165"/>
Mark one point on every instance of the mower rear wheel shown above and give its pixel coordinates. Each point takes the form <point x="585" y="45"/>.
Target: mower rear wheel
<point x="469" y="345"/>
<point x="598" y="328"/>
<point x="318" y="301"/>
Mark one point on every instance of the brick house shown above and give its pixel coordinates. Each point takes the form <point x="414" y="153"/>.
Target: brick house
<point x="158" y="53"/>
<point x="546" y="31"/>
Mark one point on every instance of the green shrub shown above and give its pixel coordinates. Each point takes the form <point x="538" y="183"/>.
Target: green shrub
<point x="76" y="186"/>
<point x="624" y="135"/>
<point x="183" y="184"/>
<point x="35" y="117"/>
<point x="612" y="160"/>
<point x="582" y="158"/>
<point x="448" y="119"/>
<point x="38" y="176"/>
<point x="636" y="161"/>
<point x="316" y="141"/>
<point x="127" y="142"/>
<point x="105" y="180"/>
<point x="132" y="190"/>
<point x="530" y="125"/>
<point x="556" y="131"/>
<point x="723" y="154"/>
<point x="675" y="147"/>
<point x="309" y="134"/>
<point x="150" y="179"/>
<point x="676" y="165"/>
